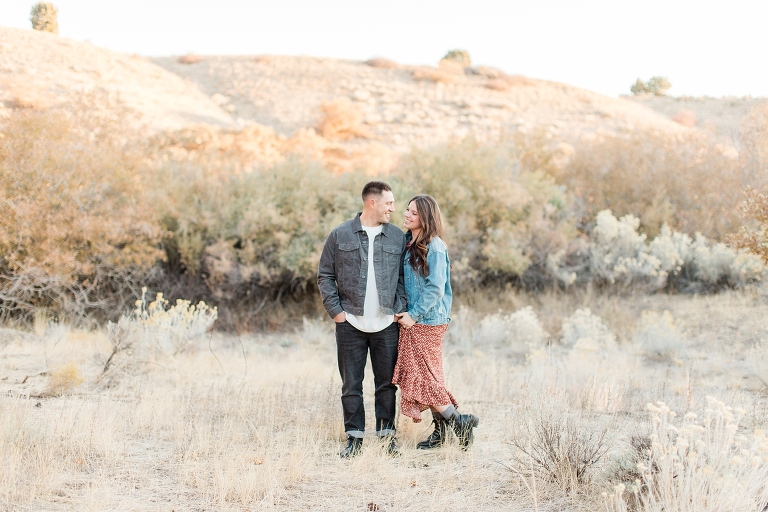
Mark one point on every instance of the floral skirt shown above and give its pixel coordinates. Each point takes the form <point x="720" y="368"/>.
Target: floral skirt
<point x="419" y="369"/>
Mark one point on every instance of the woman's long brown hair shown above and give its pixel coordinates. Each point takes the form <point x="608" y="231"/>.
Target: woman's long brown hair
<point x="431" y="226"/>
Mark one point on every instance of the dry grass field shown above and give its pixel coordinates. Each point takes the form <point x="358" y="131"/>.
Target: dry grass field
<point x="254" y="422"/>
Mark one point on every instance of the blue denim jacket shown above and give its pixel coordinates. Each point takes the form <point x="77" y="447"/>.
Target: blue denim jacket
<point x="430" y="297"/>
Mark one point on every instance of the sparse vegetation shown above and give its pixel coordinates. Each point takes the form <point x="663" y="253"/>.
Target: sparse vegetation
<point x="688" y="182"/>
<point x="459" y="56"/>
<point x="342" y="120"/>
<point x="44" y="17"/>
<point x="655" y="86"/>
<point x="379" y="62"/>
<point x="190" y="58"/>
<point x="437" y="75"/>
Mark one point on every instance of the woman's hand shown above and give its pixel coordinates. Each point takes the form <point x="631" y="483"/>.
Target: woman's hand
<point x="405" y="320"/>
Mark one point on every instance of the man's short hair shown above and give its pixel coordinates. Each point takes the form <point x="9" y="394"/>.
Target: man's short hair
<point x="375" y="188"/>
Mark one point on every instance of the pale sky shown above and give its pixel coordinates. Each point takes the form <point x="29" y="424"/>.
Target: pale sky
<point x="713" y="48"/>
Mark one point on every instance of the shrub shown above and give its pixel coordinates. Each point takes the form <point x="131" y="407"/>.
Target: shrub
<point x="172" y="329"/>
<point x="65" y="379"/>
<point x="190" y="58"/>
<point x="44" y="17"/>
<point x="687" y="181"/>
<point x="504" y="212"/>
<point x="379" y="62"/>
<point x="433" y="75"/>
<point x="77" y="232"/>
<point x="705" y="465"/>
<point x="617" y="254"/>
<point x="459" y="56"/>
<point x="557" y="445"/>
<point x="584" y="325"/>
<point x="525" y="329"/>
<point x="685" y="118"/>
<point x="754" y="141"/>
<point x="342" y="120"/>
<point x="754" y="236"/>
<point x="656" y="86"/>
<point x="255" y="234"/>
<point x="659" y="337"/>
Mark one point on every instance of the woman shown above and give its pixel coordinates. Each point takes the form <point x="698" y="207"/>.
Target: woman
<point x="419" y="368"/>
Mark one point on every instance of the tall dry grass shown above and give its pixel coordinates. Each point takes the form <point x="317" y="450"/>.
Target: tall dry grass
<point x="254" y="422"/>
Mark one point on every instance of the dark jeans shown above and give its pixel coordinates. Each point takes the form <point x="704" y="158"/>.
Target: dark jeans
<point x="352" y="346"/>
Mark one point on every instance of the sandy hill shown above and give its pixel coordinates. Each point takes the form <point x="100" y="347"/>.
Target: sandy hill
<point x="403" y="106"/>
<point x="721" y="116"/>
<point x="281" y="99"/>
<point x="42" y="69"/>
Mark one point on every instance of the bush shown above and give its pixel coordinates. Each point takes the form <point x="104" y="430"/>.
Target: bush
<point x="754" y="236"/>
<point x="521" y="331"/>
<point x="77" y="235"/>
<point x="754" y="140"/>
<point x="44" y="17"/>
<point x="433" y="75"/>
<point x="659" y="337"/>
<point x="342" y="121"/>
<point x="190" y="58"/>
<point x="504" y="212"/>
<point x="617" y="254"/>
<point x="557" y="445"/>
<point x="687" y="181"/>
<point x="656" y="86"/>
<point x="584" y="325"/>
<point x="153" y="331"/>
<point x="379" y="62"/>
<point x="459" y="56"/>
<point x="705" y="465"/>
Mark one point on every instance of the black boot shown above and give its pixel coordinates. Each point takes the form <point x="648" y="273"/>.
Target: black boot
<point x="462" y="425"/>
<point x="438" y="436"/>
<point x="354" y="445"/>
<point x="390" y="443"/>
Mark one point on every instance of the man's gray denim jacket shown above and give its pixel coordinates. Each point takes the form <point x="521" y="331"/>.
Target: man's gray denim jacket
<point x="341" y="276"/>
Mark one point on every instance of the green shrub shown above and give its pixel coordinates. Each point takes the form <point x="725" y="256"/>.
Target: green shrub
<point x="44" y="17"/>
<point x="504" y="211"/>
<point x="656" y="86"/>
<point x="459" y="56"/>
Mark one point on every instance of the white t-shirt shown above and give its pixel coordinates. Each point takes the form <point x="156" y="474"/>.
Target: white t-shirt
<point x="373" y="320"/>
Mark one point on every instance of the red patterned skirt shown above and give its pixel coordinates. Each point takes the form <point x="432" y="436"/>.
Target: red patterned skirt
<point x="419" y="369"/>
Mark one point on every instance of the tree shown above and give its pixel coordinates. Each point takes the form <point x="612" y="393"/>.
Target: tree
<point x="459" y="56"/>
<point x="656" y="86"/>
<point x="43" y="17"/>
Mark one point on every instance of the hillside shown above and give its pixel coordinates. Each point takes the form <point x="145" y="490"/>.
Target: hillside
<point x="39" y="69"/>
<point x="721" y="116"/>
<point x="281" y="99"/>
<point x="401" y="110"/>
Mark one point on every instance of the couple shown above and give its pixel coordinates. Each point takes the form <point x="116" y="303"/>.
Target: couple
<point x="391" y="294"/>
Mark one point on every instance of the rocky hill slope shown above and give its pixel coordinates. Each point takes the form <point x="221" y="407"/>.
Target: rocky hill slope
<point x="404" y="106"/>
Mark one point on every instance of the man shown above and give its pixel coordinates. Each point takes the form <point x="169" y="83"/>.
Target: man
<point x="361" y="282"/>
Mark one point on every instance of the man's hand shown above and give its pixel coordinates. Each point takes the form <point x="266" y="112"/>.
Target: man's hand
<point x="405" y="320"/>
<point x="341" y="317"/>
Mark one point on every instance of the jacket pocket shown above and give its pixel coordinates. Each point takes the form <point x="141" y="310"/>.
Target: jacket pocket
<point x="348" y="262"/>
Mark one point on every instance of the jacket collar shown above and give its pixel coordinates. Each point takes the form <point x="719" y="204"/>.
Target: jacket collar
<point x="357" y="226"/>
